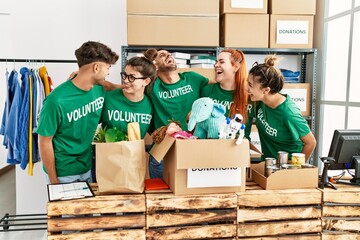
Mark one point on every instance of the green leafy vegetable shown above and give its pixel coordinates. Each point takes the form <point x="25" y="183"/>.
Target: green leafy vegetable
<point x="110" y="135"/>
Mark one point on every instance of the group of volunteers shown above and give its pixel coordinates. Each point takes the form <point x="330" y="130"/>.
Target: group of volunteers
<point x="153" y="92"/>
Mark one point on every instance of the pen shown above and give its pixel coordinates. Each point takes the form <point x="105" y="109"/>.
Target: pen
<point x="76" y="189"/>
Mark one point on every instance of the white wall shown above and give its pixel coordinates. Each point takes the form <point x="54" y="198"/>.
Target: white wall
<point x="49" y="29"/>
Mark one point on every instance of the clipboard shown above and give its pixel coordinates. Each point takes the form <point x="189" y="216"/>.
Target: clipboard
<point x="69" y="191"/>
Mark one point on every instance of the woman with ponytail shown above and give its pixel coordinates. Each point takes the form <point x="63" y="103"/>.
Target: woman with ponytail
<point x="279" y="121"/>
<point x="230" y="88"/>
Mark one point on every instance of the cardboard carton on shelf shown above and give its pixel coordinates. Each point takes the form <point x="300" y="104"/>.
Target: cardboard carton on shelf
<point x="173" y="7"/>
<point x="243" y="6"/>
<point x="286" y="178"/>
<point x="199" y="166"/>
<point x="291" y="31"/>
<point x="234" y="25"/>
<point x="303" y="7"/>
<point x="163" y="30"/>
<point x="300" y="93"/>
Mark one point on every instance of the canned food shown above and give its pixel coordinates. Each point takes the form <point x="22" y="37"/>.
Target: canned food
<point x="270" y="170"/>
<point x="307" y="165"/>
<point x="269" y="162"/>
<point x="298" y="158"/>
<point x="282" y="158"/>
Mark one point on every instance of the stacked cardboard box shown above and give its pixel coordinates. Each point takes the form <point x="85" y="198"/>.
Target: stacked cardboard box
<point x="291" y="23"/>
<point x="244" y="23"/>
<point x="173" y="23"/>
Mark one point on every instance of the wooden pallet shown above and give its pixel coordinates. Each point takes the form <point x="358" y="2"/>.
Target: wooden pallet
<point x="100" y="217"/>
<point x="207" y="216"/>
<point x="279" y="214"/>
<point x="341" y="213"/>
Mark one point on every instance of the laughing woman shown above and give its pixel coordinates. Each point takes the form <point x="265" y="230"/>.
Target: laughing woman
<point x="279" y="121"/>
<point x="230" y="88"/>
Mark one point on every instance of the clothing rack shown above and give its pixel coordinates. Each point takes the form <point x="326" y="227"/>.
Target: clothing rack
<point x="12" y="60"/>
<point x="36" y="221"/>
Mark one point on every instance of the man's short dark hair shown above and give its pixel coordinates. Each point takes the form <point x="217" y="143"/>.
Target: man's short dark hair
<point x="91" y="51"/>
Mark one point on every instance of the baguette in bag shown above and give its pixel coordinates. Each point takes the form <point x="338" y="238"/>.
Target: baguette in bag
<point x="133" y="130"/>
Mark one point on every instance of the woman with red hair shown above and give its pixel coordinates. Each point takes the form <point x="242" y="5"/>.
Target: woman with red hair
<point x="230" y="88"/>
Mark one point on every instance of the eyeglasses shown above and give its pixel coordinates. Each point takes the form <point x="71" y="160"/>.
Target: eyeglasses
<point x="131" y="78"/>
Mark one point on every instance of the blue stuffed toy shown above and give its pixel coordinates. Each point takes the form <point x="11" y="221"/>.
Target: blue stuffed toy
<point x="206" y="117"/>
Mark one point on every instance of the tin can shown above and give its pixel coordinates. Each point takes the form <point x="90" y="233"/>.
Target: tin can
<point x="270" y="170"/>
<point x="269" y="162"/>
<point x="282" y="158"/>
<point x="298" y="158"/>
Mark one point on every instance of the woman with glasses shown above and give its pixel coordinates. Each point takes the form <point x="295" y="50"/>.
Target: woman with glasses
<point x="230" y="88"/>
<point x="279" y="121"/>
<point x="130" y="104"/>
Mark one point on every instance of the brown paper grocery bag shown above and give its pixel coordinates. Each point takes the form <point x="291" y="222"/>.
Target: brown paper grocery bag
<point x="120" y="166"/>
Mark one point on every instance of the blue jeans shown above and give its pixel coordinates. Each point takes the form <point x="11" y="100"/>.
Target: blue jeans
<point x="73" y="178"/>
<point x="156" y="169"/>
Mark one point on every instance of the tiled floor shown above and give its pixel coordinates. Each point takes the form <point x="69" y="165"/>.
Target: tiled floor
<point x="8" y="205"/>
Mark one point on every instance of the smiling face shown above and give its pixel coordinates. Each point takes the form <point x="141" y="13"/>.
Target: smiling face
<point x="255" y="90"/>
<point x="224" y="69"/>
<point x="138" y="85"/>
<point x="101" y="70"/>
<point x="165" y="61"/>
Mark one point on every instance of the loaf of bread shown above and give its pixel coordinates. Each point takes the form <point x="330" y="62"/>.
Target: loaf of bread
<point x="133" y="130"/>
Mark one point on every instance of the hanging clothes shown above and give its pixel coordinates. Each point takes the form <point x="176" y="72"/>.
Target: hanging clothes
<point x="9" y="97"/>
<point x="19" y="123"/>
<point x="44" y="76"/>
<point x="11" y="127"/>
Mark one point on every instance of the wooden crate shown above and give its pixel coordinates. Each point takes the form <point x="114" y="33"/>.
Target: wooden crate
<point x="279" y="214"/>
<point x="99" y="217"/>
<point x="341" y="213"/>
<point x="207" y="216"/>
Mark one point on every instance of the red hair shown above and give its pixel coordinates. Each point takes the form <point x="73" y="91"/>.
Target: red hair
<point x="240" y="94"/>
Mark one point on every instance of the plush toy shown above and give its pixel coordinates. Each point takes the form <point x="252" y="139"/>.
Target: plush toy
<point x="206" y="117"/>
<point x="233" y="127"/>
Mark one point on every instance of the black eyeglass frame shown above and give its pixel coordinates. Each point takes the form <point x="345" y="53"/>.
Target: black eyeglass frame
<point x="130" y="77"/>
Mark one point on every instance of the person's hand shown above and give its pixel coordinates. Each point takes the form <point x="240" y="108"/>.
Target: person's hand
<point x="108" y="86"/>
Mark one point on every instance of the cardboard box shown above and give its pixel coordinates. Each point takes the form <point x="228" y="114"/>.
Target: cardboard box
<point x="255" y="140"/>
<point x="300" y="93"/>
<point x="173" y="31"/>
<point x="174" y="7"/>
<point x="243" y="6"/>
<point x="213" y="157"/>
<point x="285" y="179"/>
<point x="244" y="30"/>
<point x="305" y="7"/>
<point x="206" y="72"/>
<point x="291" y="31"/>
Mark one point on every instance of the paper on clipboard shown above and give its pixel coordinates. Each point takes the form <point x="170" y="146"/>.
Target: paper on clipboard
<point x="67" y="191"/>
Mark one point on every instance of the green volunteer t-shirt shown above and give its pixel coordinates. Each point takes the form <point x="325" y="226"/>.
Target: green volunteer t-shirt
<point x="280" y="129"/>
<point x="225" y="98"/>
<point x="118" y="111"/>
<point x="71" y="116"/>
<point x="219" y="95"/>
<point x="174" y="101"/>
